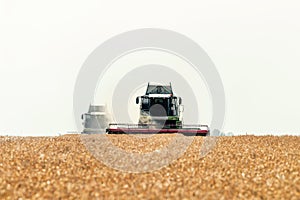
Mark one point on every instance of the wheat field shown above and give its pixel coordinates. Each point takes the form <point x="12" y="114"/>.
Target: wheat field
<point x="238" y="167"/>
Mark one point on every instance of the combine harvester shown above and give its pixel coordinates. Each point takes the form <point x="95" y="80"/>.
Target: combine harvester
<point x="95" y="119"/>
<point x="160" y="112"/>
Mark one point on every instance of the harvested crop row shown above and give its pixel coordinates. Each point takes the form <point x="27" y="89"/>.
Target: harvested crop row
<point x="241" y="167"/>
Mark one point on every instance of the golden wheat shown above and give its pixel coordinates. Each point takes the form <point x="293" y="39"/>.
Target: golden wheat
<point x="240" y="167"/>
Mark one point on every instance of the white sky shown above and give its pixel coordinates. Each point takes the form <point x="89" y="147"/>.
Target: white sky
<point x="255" y="45"/>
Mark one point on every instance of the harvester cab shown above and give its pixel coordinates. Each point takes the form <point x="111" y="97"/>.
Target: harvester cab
<point x="159" y="106"/>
